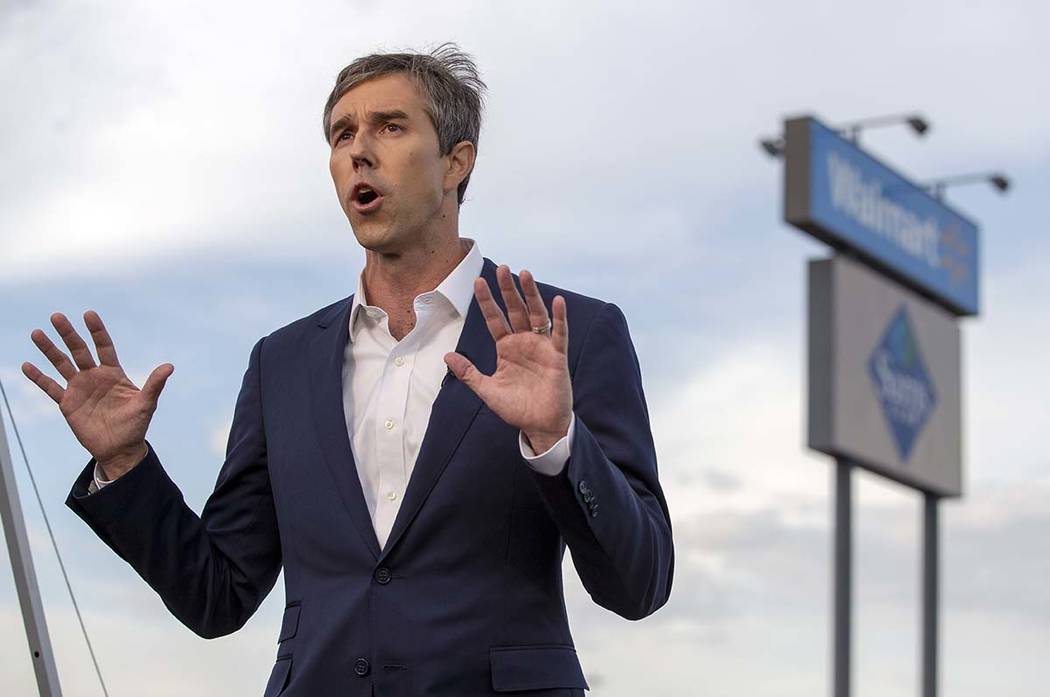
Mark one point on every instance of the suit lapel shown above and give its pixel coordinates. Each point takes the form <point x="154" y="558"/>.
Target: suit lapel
<point x="326" y="387"/>
<point x="454" y="409"/>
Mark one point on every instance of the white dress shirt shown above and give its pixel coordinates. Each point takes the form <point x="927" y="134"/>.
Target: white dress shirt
<point x="389" y="388"/>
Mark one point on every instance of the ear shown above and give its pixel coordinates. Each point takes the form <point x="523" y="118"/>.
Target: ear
<point x="460" y="164"/>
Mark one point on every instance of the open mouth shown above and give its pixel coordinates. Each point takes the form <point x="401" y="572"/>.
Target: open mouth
<point x="365" y="199"/>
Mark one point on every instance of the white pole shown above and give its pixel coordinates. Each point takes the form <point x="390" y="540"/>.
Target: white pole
<point x="40" y="651"/>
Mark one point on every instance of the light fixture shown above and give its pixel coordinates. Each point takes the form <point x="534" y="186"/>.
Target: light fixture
<point x="999" y="181"/>
<point x="917" y="122"/>
<point x="774" y="147"/>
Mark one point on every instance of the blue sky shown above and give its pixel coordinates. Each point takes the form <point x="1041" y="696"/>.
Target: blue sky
<point x="165" y="167"/>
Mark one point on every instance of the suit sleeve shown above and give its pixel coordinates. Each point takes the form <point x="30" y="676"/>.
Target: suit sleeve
<point x="212" y="571"/>
<point x="607" y="500"/>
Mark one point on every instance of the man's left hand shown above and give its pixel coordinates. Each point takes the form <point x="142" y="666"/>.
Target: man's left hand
<point x="530" y="388"/>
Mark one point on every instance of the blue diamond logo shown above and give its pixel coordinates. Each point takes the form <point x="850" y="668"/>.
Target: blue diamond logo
<point x="902" y="382"/>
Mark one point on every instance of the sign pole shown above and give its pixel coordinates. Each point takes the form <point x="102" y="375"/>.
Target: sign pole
<point x="930" y="600"/>
<point x="25" y="577"/>
<point x="843" y="575"/>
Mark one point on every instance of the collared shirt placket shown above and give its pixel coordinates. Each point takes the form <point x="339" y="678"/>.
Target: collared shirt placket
<point x="390" y="428"/>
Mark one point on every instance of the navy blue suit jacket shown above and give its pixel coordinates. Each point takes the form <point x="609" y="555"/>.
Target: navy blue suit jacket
<point x="466" y="597"/>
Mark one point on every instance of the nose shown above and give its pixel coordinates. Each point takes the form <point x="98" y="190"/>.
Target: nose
<point x="360" y="152"/>
<point x="361" y="161"/>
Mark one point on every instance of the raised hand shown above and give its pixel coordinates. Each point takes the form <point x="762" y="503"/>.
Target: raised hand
<point x="107" y="413"/>
<point x="531" y="388"/>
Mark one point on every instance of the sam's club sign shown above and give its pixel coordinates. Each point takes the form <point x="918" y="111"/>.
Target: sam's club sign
<point x="845" y="197"/>
<point x="902" y="383"/>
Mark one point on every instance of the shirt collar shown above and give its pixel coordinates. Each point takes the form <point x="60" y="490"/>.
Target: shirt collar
<point x="457" y="287"/>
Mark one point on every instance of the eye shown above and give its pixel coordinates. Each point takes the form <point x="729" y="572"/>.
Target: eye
<point x="393" y="125"/>
<point x="346" y="132"/>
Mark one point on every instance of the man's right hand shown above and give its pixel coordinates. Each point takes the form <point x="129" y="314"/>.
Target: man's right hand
<point x="107" y="413"/>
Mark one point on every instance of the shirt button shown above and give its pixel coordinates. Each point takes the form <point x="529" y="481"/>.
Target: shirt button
<point x="389" y="424"/>
<point x="399" y="361"/>
<point x="392" y="495"/>
<point x="361" y="667"/>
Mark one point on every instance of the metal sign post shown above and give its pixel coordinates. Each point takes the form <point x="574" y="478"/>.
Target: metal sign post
<point x="25" y="577"/>
<point x="843" y="576"/>
<point x="930" y="599"/>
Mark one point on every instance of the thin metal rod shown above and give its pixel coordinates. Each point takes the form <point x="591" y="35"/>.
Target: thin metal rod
<point x="881" y="120"/>
<point x="930" y="599"/>
<point x="970" y="178"/>
<point x="843" y="576"/>
<point x="18" y="550"/>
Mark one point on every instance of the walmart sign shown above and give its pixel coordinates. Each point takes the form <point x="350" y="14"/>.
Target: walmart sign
<point x="845" y="197"/>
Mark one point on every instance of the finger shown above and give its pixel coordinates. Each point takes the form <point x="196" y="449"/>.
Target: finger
<point x="49" y="386"/>
<point x="466" y="373"/>
<point x="81" y="353"/>
<point x="494" y="318"/>
<point x="516" y="311"/>
<point x="156" y="381"/>
<point x="560" y="330"/>
<point x="54" y="354"/>
<point x="537" y="310"/>
<point x="107" y="352"/>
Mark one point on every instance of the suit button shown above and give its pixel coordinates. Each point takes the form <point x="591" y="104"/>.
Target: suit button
<point x="361" y="667"/>
<point x="584" y="487"/>
<point x="594" y="512"/>
<point x="383" y="575"/>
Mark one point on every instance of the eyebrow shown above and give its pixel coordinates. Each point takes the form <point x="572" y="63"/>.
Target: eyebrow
<point x="371" y="117"/>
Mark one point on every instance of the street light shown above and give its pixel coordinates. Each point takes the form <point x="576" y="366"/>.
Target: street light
<point x="916" y="122"/>
<point x="774" y="147"/>
<point x="999" y="181"/>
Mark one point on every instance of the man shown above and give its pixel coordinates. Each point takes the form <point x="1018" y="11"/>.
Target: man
<point x="417" y="455"/>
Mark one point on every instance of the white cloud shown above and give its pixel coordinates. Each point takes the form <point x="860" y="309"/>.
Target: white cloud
<point x="165" y="136"/>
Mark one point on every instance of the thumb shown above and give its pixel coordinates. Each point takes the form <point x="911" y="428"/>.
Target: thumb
<point x="465" y="371"/>
<point x="156" y="381"/>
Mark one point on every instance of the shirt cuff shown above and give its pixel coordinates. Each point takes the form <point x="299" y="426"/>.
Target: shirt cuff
<point x="98" y="481"/>
<point x="551" y="462"/>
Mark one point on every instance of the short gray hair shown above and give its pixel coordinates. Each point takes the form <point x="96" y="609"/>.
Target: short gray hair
<point x="450" y="85"/>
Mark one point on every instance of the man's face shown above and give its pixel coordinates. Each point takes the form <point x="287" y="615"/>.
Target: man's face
<point x="382" y="138"/>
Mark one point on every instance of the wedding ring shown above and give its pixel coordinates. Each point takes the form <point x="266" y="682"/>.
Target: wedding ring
<point x="542" y="330"/>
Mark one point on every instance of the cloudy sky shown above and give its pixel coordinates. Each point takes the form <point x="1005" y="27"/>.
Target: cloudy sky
<point x="165" y="167"/>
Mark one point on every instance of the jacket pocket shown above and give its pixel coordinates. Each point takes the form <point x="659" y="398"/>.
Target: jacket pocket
<point x="290" y="623"/>
<point x="538" y="667"/>
<point x="278" y="677"/>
